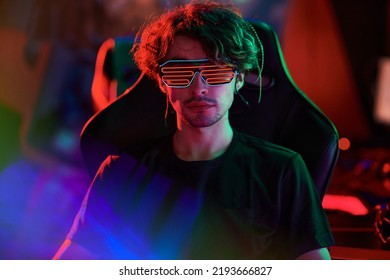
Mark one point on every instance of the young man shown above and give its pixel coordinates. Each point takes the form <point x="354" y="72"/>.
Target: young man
<point x="207" y="191"/>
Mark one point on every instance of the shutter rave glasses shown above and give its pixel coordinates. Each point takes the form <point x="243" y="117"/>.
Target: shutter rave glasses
<point x="181" y="73"/>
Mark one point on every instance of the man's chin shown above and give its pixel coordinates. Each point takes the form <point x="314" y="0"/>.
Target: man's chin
<point x="201" y="122"/>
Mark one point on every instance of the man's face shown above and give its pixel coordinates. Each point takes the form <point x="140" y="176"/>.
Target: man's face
<point x="199" y="104"/>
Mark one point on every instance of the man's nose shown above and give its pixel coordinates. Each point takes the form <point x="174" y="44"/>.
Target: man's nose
<point x="198" y="85"/>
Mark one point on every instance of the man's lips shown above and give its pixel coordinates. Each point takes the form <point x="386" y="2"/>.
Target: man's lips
<point x="199" y="105"/>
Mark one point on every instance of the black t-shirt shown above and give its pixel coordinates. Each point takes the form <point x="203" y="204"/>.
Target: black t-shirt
<point x="256" y="201"/>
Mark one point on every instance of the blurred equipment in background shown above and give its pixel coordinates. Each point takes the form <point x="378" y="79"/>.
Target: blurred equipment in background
<point x="75" y="30"/>
<point x="63" y="104"/>
<point x="362" y="173"/>
<point x="382" y="225"/>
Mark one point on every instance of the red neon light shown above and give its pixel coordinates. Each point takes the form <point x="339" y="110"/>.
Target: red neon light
<point x="349" y="204"/>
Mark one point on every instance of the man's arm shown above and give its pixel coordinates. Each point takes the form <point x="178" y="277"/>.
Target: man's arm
<point x="317" y="254"/>
<point x="72" y="251"/>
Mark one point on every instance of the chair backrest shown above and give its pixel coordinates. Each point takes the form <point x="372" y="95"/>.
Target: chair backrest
<point x="284" y="116"/>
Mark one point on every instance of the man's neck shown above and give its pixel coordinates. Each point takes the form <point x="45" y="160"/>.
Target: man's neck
<point x="205" y="143"/>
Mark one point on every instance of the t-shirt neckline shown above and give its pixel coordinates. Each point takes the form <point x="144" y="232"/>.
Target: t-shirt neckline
<point x="213" y="161"/>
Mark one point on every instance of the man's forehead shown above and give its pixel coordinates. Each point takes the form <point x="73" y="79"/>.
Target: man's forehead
<point x="185" y="47"/>
<point x="187" y="63"/>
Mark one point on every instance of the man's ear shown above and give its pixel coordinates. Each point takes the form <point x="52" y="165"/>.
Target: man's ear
<point x="240" y="80"/>
<point x="162" y="86"/>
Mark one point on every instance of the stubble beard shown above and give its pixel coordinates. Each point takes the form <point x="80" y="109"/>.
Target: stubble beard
<point x="200" y="120"/>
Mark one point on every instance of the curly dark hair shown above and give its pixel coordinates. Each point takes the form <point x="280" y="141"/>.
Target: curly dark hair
<point x="220" y="28"/>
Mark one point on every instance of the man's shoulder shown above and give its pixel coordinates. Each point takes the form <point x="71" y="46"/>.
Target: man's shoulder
<point x="265" y="147"/>
<point x="131" y="155"/>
